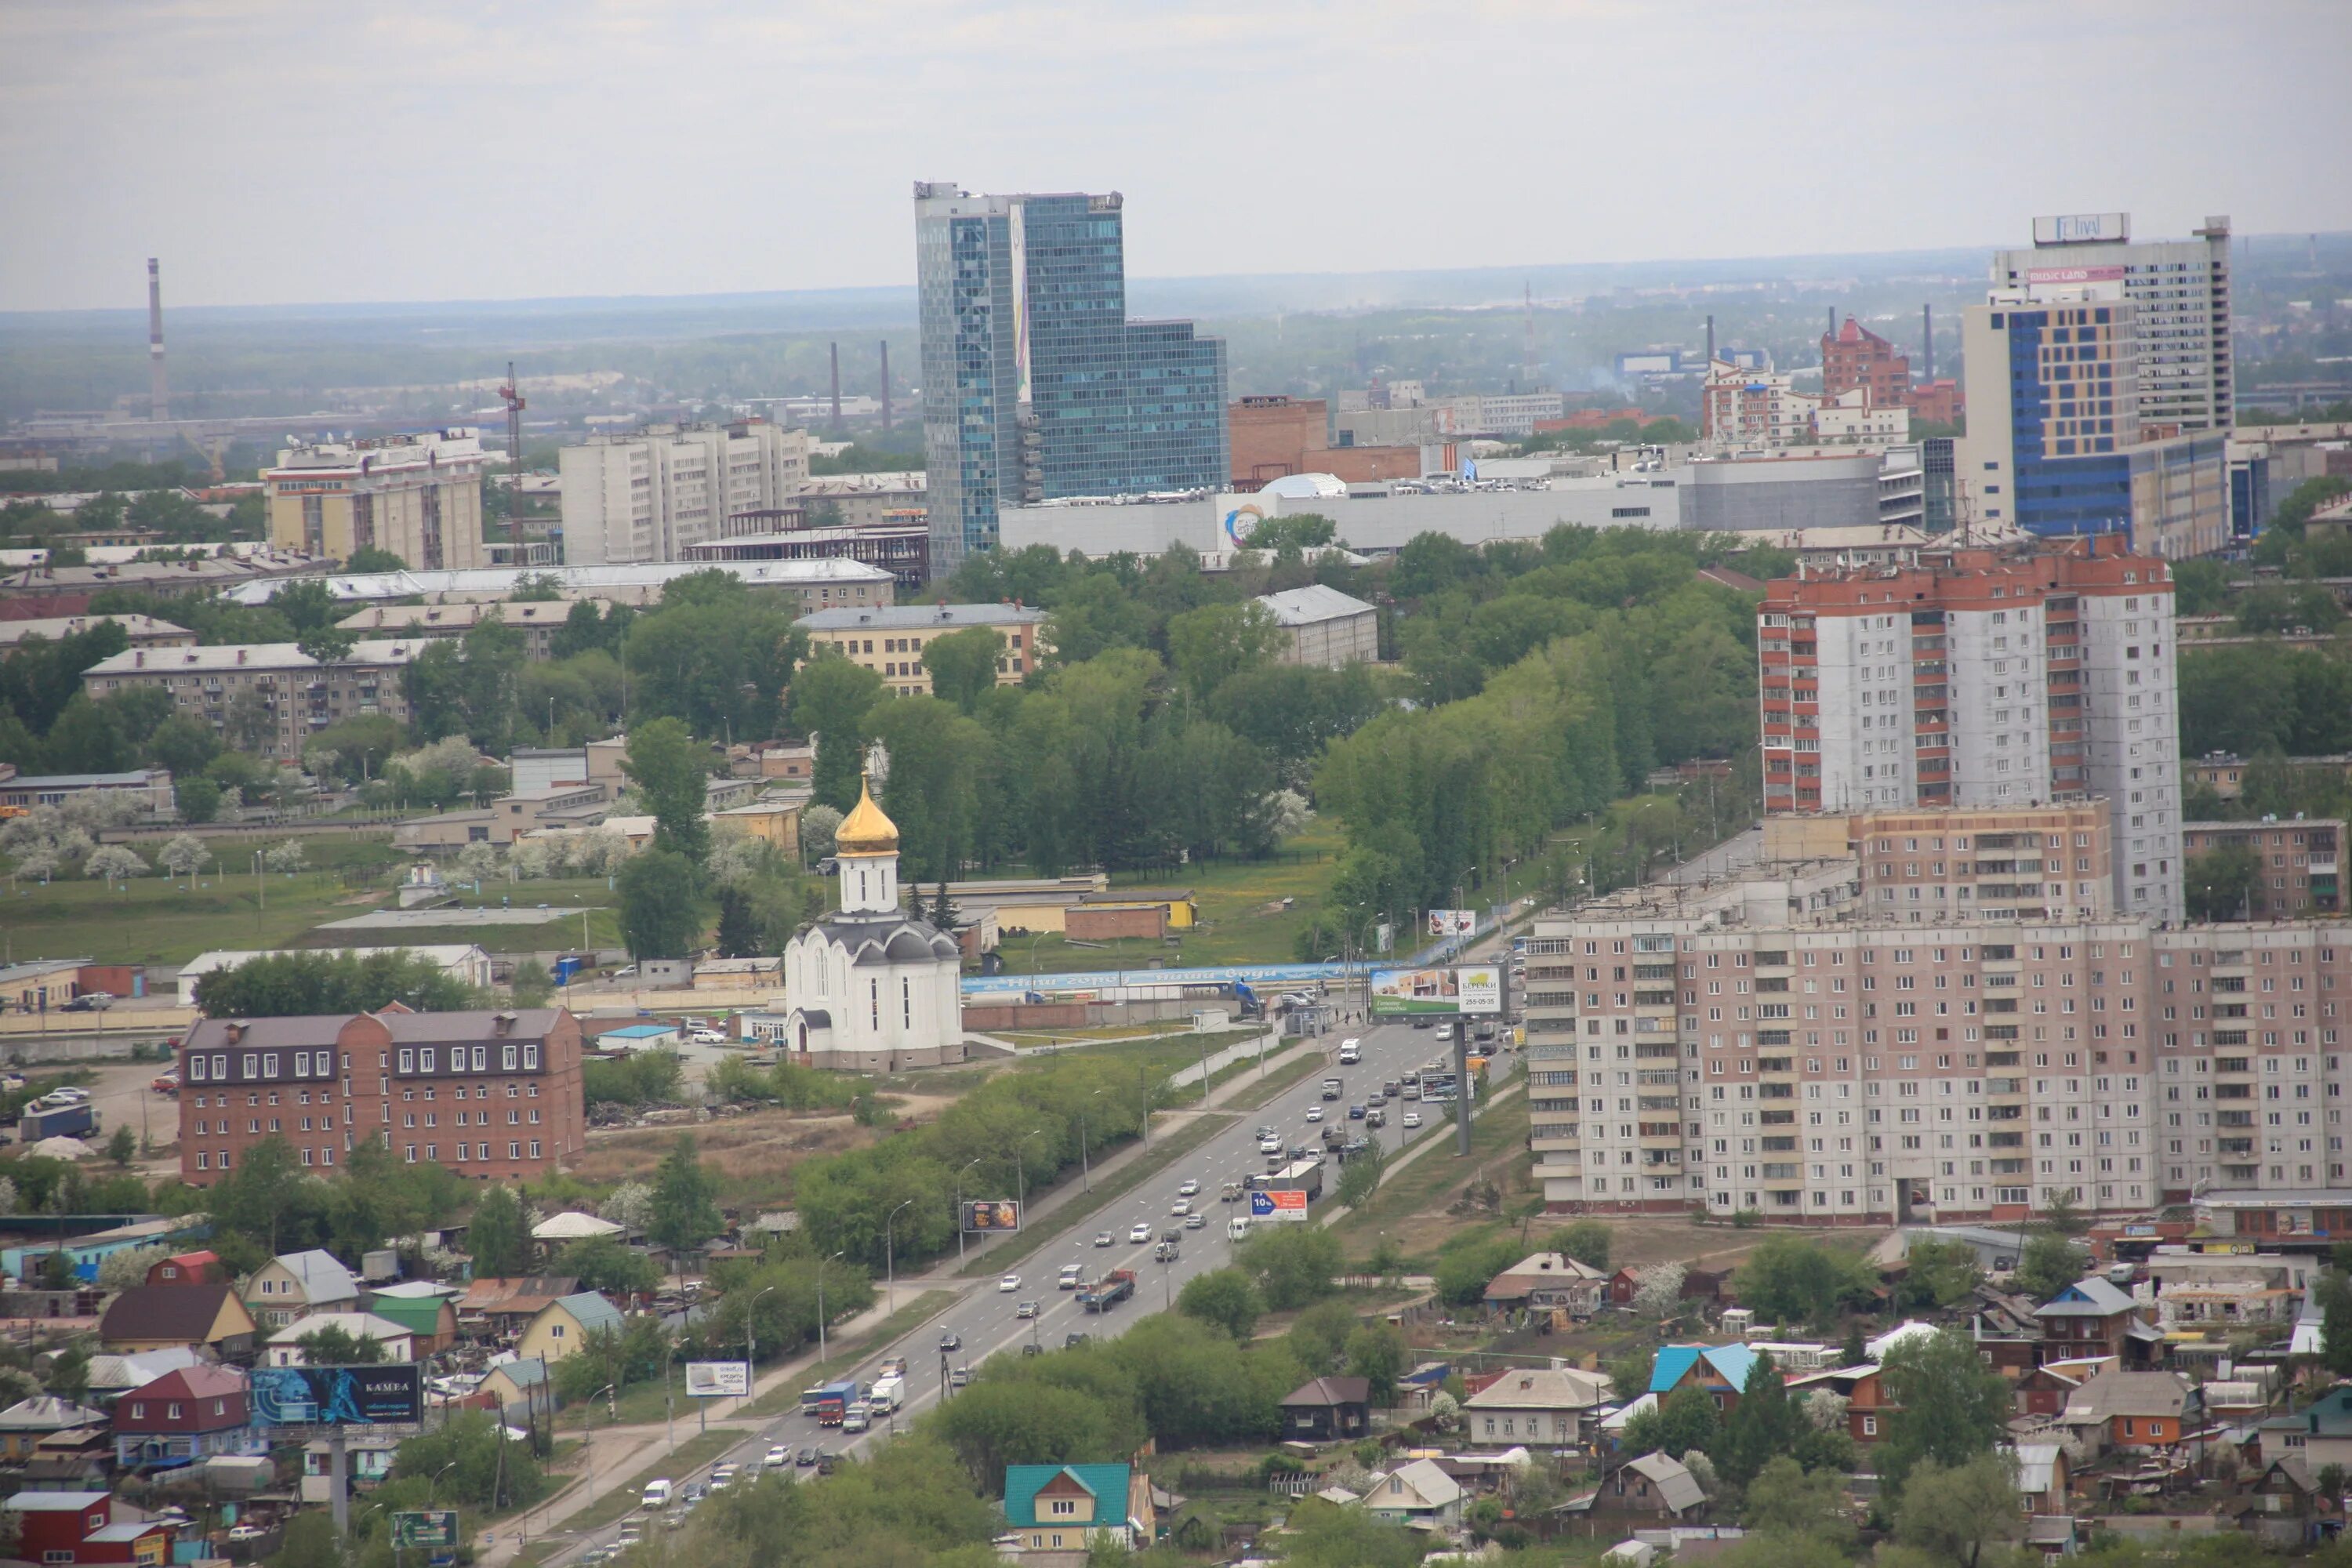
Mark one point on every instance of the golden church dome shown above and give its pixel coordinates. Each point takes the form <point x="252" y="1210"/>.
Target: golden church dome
<point x="865" y="831"/>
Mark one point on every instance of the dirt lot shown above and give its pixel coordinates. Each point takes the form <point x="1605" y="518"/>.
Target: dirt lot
<point x="754" y="1152"/>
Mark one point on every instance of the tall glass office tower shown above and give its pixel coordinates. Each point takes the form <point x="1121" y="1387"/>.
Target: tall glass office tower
<point x="1035" y="384"/>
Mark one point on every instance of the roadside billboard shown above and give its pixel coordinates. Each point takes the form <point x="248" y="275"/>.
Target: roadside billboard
<point x="988" y="1214"/>
<point x="1278" y="1208"/>
<point x="424" y="1528"/>
<point x="1453" y="922"/>
<point x="717" y="1380"/>
<point x="1475" y="989"/>
<point x="338" y="1396"/>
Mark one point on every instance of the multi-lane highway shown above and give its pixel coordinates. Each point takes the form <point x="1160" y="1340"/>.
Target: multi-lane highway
<point x="985" y="1318"/>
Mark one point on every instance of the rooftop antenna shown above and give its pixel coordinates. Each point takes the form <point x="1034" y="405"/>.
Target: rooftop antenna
<point x="512" y="398"/>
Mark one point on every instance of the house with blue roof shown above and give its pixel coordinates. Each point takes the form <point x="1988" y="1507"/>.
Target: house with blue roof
<point x="1720" y="1370"/>
<point x="1053" y="1514"/>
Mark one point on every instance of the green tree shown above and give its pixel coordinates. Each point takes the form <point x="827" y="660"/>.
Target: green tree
<point x="1951" y="1407"/>
<point x="1292" y="1264"/>
<point x="1793" y="1279"/>
<point x="1209" y="646"/>
<point x="830" y="699"/>
<point x="1377" y="1352"/>
<point x="1939" y="1273"/>
<point x="499" y="1235"/>
<point x="368" y="557"/>
<point x="2049" y="1264"/>
<point x="532" y="986"/>
<point x="1319" y="1336"/>
<point x="685" y="1199"/>
<point x="659" y="915"/>
<point x="963" y="664"/>
<point x="1762" y="1425"/>
<point x="1587" y="1241"/>
<point x="198" y="798"/>
<point x="334" y="1345"/>
<point x="2220" y="883"/>
<point x="327" y="644"/>
<point x="259" y="1198"/>
<point x="290" y="985"/>
<point x="123" y="1147"/>
<point x="1956" y="1514"/>
<point x="603" y="1263"/>
<point x="1785" y="1497"/>
<point x="1224" y="1296"/>
<point x="1685" y="1420"/>
<point x="740" y="934"/>
<point x="471" y="1463"/>
<point x="1361" y="1176"/>
<point x="666" y="768"/>
<point x="998" y="1422"/>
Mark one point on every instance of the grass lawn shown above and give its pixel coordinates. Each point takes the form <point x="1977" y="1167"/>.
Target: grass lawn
<point x="1241" y="918"/>
<point x="1416" y="1196"/>
<point x="160" y="920"/>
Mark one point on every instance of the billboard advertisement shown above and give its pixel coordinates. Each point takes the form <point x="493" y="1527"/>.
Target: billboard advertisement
<point x="427" y="1529"/>
<point x="717" y="1380"/>
<point x="1475" y="989"/>
<point x="338" y="1396"/>
<point x="1278" y="1208"/>
<point x="1453" y="922"/>
<point x="990" y="1214"/>
<point x="2082" y="228"/>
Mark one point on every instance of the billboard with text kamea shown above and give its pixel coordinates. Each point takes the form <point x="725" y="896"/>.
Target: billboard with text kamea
<point x="1278" y="1208"/>
<point x="338" y="1396"/>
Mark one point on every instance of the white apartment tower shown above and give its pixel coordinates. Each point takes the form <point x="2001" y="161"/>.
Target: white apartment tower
<point x="647" y="496"/>
<point x="1974" y="680"/>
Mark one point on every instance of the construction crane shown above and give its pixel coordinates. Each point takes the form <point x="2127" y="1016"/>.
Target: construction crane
<point x="513" y="399"/>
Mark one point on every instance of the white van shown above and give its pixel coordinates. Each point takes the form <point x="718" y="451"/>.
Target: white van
<point x="657" y="1495"/>
<point x="1073" y="1276"/>
<point x="1237" y="1229"/>
<point x="1351" y="1052"/>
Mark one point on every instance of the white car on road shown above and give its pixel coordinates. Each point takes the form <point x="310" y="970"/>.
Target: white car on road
<point x="1139" y="1233"/>
<point x="1183" y="1206"/>
<point x="1314" y="1113"/>
<point x="1009" y="1284"/>
<point x="1191" y="1188"/>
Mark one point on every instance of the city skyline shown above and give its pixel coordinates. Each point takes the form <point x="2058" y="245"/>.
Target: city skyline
<point x="119" y="145"/>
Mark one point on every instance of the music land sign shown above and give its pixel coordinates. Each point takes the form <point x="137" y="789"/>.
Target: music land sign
<point x="1474" y="989"/>
<point x="338" y="1396"/>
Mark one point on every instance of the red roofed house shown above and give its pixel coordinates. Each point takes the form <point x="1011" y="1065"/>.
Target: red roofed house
<point x="186" y="1415"/>
<point x="189" y="1269"/>
<point x="79" y="1526"/>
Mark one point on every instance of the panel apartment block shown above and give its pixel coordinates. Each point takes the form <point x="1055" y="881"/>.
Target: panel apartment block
<point x="1972" y="679"/>
<point x="652" y="495"/>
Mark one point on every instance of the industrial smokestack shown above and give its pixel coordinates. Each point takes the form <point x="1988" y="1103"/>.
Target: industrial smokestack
<point x="885" y="386"/>
<point x="1710" y="339"/>
<point x="1833" y="320"/>
<point x="1926" y="342"/>
<point x="836" y="386"/>
<point x="159" y="398"/>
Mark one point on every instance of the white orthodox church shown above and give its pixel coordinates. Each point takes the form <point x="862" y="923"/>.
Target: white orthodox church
<point x="870" y="988"/>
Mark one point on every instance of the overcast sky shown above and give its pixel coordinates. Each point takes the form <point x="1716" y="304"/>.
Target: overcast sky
<point x="277" y="150"/>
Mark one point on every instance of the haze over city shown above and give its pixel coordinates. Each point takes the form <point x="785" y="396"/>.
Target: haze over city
<point x="276" y="152"/>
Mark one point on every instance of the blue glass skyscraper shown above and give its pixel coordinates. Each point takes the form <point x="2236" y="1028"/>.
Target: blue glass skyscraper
<point x="1035" y="384"/>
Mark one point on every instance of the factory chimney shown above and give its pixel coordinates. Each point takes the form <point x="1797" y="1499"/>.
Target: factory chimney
<point x="836" y="386"/>
<point x="159" y="398"/>
<point x="1926" y="342"/>
<point x="885" y="386"/>
<point x="1710" y="339"/>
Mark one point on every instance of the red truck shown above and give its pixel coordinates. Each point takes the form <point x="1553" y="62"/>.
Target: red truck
<point x="1108" y="1292"/>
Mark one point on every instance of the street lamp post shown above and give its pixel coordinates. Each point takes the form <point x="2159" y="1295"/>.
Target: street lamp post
<point x="1085" y="1171"/>
<point x="891" y="1257"/>
<point x="959" y="1214"/>
<point x="1020" y="1172"/>
<point x="612" y="1415"/>
<point x="820" y="1302"/>
<point x="751" y="1349"/>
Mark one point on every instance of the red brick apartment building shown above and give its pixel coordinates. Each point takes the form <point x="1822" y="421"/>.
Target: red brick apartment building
<point x="1856" y="357"/>
<point x="493" y="1095"/>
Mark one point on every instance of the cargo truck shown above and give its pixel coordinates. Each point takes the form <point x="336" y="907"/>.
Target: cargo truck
<point x="57" y="1121"/>
<point x="888" y="1395"/>
<point x="828" y="1401"/>
<point x="1109" y="1292"/>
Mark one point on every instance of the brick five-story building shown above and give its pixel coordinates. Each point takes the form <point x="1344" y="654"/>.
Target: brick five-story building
<point x="495" y="1095"/>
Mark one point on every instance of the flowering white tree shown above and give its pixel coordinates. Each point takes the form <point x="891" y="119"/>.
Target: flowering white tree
<point x="1658" y="1290"/>
<point x="476" y="861"/>
<point x="631" y="1203"/>
<point x="1286" y="813"/>
<point x="818" y="825"/>
<point x="184" y="856"/>
<point x="598" y="852"/>
<point x="41" y="862"/>
<point x="116" y="862"/>
<point x="1825" y="1410"/>
<point x="736" y="858"/>
<point x="284" y="857"/>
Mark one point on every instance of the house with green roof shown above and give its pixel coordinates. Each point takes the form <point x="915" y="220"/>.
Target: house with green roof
<point x="1053" y="1513"/>
<point x="432" y="1319"/>
<point x="561" y="1328"/>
